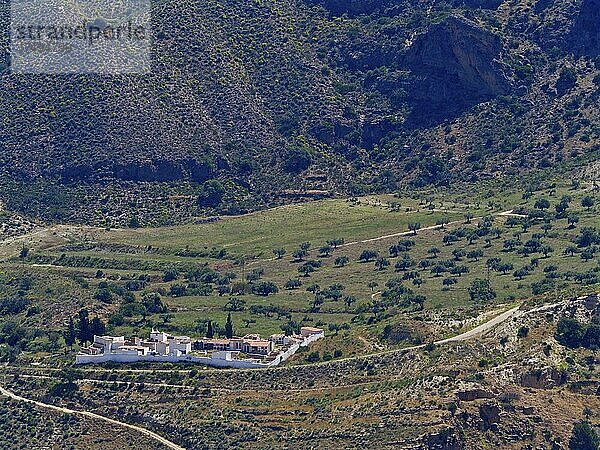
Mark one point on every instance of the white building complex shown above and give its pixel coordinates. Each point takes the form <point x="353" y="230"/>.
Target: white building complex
<point x="249" y="352"/>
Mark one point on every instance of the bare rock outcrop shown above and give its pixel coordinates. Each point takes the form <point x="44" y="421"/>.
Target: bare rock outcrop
<point x="545" y="378"/>
<point x="454" y="66"/>
<point x="446" y="439"/>
<point x="469" y="395"/>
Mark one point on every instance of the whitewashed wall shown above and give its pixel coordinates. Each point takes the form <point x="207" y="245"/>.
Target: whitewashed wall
<point x="213" y="362"/>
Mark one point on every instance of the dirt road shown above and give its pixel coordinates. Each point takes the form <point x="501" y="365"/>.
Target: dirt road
<point x="94" y="416"/>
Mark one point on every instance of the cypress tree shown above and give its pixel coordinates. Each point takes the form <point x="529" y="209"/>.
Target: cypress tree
<point x="97" y="327"/>
<point x="209" y="330"/>
<point x="229" y="327"/>
<point x="70" y="334"/>
<point x="83" y="327"/>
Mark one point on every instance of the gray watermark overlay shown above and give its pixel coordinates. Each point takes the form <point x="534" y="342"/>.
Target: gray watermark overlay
<point x="80" y="36"/>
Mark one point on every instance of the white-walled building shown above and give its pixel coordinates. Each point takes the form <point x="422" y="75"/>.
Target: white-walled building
<point x="250" y="351"/>
<point x="251" y="344"/>
<point x="104" y="344"/>
<point x="311" y="331"/>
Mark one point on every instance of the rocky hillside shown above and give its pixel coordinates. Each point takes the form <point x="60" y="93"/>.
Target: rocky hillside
<point x="519" y="386"/>
<point x="261" y="95"/>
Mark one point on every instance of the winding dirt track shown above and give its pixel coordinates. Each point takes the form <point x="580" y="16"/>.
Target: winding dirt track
<point x="432" y="227"/>
<point x="478" y="330"/>
<point x="92" y="415"/>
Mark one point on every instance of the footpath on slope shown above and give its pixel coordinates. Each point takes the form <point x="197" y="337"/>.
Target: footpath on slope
<point x="92" y="415"/>
<point x="508" y="213"/>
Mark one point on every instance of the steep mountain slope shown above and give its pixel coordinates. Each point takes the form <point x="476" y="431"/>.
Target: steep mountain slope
<point x="253" y="93"/>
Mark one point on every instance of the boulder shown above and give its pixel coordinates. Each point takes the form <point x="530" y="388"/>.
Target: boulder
<point x="446" y="439"/>
<point x="490" y="415"/>
<point x="545" y="378"/>
<point x="469" y="395"/>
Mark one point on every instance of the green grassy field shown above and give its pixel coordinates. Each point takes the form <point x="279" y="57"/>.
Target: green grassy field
<point x="259" y="233"/>
<point x="124" y="255"/>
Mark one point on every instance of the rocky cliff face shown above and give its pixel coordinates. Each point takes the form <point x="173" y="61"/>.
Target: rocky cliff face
<point x="454" y="66"/>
